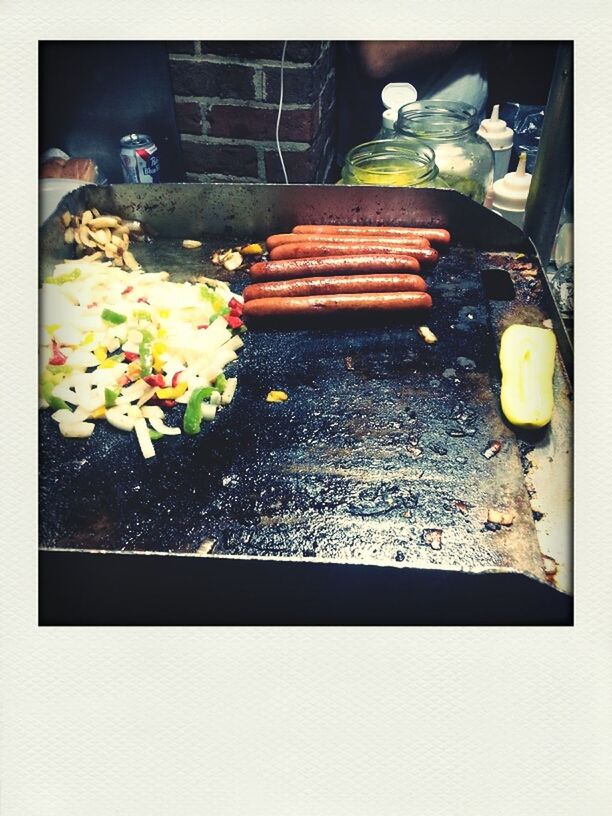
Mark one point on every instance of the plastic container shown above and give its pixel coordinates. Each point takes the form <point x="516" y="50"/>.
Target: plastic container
<point x="394" y="95"/>
<point x="465" y="160"/>
<point x="392" y="163"/>
<point x="510" y="193"/>
<point x="496" y="132"/>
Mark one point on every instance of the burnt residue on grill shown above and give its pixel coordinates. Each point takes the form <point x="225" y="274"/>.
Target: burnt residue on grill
<point x="376" y="457"/>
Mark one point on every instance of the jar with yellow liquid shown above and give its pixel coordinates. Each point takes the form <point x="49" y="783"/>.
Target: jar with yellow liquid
<point x="392" y="163"/>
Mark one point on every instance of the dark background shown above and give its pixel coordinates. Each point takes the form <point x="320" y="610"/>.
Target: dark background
<point x="93" y="93"/>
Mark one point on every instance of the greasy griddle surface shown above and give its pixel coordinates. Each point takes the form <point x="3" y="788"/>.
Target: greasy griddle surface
<point x="378" y="448"/>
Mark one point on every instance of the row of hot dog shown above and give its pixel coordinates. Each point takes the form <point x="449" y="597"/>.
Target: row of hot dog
<point x="335" y="269"/>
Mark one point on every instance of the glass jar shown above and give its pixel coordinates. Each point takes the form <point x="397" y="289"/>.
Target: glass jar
<point x="392" y="163"/>
<point x="465" y="160"/>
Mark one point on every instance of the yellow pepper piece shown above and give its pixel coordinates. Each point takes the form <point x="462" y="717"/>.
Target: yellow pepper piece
<point x="98" y="413"/>
<point x="162" y="332"/>
<point x="252" y="249"/>
<point x="277" y="396"/>
<point x="89" y="338"/>
<point x="171" y="393"/>
<point x="109" y="362"/>
<point x="164" y="312"/>
<point x="51" y="328"/>
<point x="158" y="364"/>
<point x="100" y="354"/>
<point x="527" y="362"/>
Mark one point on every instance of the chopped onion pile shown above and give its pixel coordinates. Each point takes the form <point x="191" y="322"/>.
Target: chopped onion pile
<point x="126" y="345"/>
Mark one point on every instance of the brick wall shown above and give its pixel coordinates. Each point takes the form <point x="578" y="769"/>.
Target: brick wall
<point x="226" y="99"/>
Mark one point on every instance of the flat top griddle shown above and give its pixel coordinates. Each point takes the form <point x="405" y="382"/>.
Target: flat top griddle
<point x="376" y="458"/>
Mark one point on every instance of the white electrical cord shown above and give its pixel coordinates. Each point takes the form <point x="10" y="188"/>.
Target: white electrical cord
<point x="280" y="109"/>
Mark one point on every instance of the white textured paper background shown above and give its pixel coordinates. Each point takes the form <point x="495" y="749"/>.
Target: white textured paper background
<point x="321" y="721"/>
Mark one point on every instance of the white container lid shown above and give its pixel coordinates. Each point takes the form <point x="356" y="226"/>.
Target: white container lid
<point x="389" y="118"/>
<point x="496" y="131"/>
<point x="396" y="94"/>
<point x="511" y="191"/>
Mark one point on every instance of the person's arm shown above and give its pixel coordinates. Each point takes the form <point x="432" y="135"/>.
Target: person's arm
<point x="380" y="58"/>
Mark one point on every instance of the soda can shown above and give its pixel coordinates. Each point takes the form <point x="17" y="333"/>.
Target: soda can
<point x="139" y="161"/>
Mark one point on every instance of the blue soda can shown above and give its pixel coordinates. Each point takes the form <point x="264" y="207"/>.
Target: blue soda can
<point x="139" y="161"/>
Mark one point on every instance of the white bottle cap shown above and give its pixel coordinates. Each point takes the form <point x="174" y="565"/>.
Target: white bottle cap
<point x="389" y="118"/>
<point x="396" y="94"/>
<point x="495" y="131"/>
<point x="511" y="191"/>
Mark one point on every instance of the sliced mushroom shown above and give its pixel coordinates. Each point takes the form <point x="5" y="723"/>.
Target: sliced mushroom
<point x="69" y="236"/>
<point x="190" y="244"/>
<point x="85" y="236"/>
<point x="104" y="222"/>
<point x="130" y="261"/>
<point x="232" y="261"/>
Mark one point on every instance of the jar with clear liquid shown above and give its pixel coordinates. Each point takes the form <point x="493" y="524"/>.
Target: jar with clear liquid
<point x="465" y="160"/>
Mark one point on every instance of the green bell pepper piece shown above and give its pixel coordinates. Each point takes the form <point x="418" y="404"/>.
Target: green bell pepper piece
<point x="113" y="317"/>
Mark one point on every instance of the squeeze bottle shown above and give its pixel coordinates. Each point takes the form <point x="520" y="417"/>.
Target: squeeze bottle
<point x="497" y="133"/>
<point x="510" y="193"/>
<point x="394" y="95"/>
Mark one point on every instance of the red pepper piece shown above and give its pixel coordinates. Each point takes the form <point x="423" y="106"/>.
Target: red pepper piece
<point x="235" y="304"/>
<point x="233" y="322"/>
<point x="123" y="380"/>
<point x="143" y="300"/>
<point x="235" y="313"/>
<point x="130" y="356"/>
<point x="175" y="378"/>
<point x="155" y="380"/>
<point x="127" y="290"/>
<point x="57" y="357"/>
<point x="167" y="403"/>
<point x="92" y="305"/>
<point x="202" y="326"/>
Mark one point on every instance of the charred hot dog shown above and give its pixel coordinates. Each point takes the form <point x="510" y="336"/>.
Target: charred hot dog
<point x="340" y="285"/>
<point x="436" y="235"/>
<point x="336" y="304"/>
<point x="307" y="249"/>
<point x="316" y="267"/>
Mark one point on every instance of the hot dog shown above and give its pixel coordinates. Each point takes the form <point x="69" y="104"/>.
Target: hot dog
<point x="290" y="238"/>
<point x="427" y="255"/>
<point x="317" y="267"/>
<point x="436" y="235"/>
<point x="340" y="285"/>
<point x="336" y="304"/>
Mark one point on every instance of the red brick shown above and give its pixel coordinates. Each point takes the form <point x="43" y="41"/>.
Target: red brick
<point x="230" y="160"/>
<point x="188" y="117"/>
<point x="297" y="51"/>
<point x="242" y="122"/>
<point x="301" y="166"/>
<point x="202" y="78"/>
<point x="181" y="46"/>
<point x="301" y="85"/>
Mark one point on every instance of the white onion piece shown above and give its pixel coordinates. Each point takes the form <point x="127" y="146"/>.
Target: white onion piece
<point x="144" y="440"/>
<point x="63" y="391"/>
<point x="234" y="343"/>
<point x="150" y="392"/>
<point x="208" y="411"/>
<point x="215" y="398"/>
<point x="228" y="392"/>
<point x="152" y="411"/>
<point x="77" y="430"/>
<point x="64" y="416"/>
<point x="158" y="425"/>
<point x="119" y="420"/>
